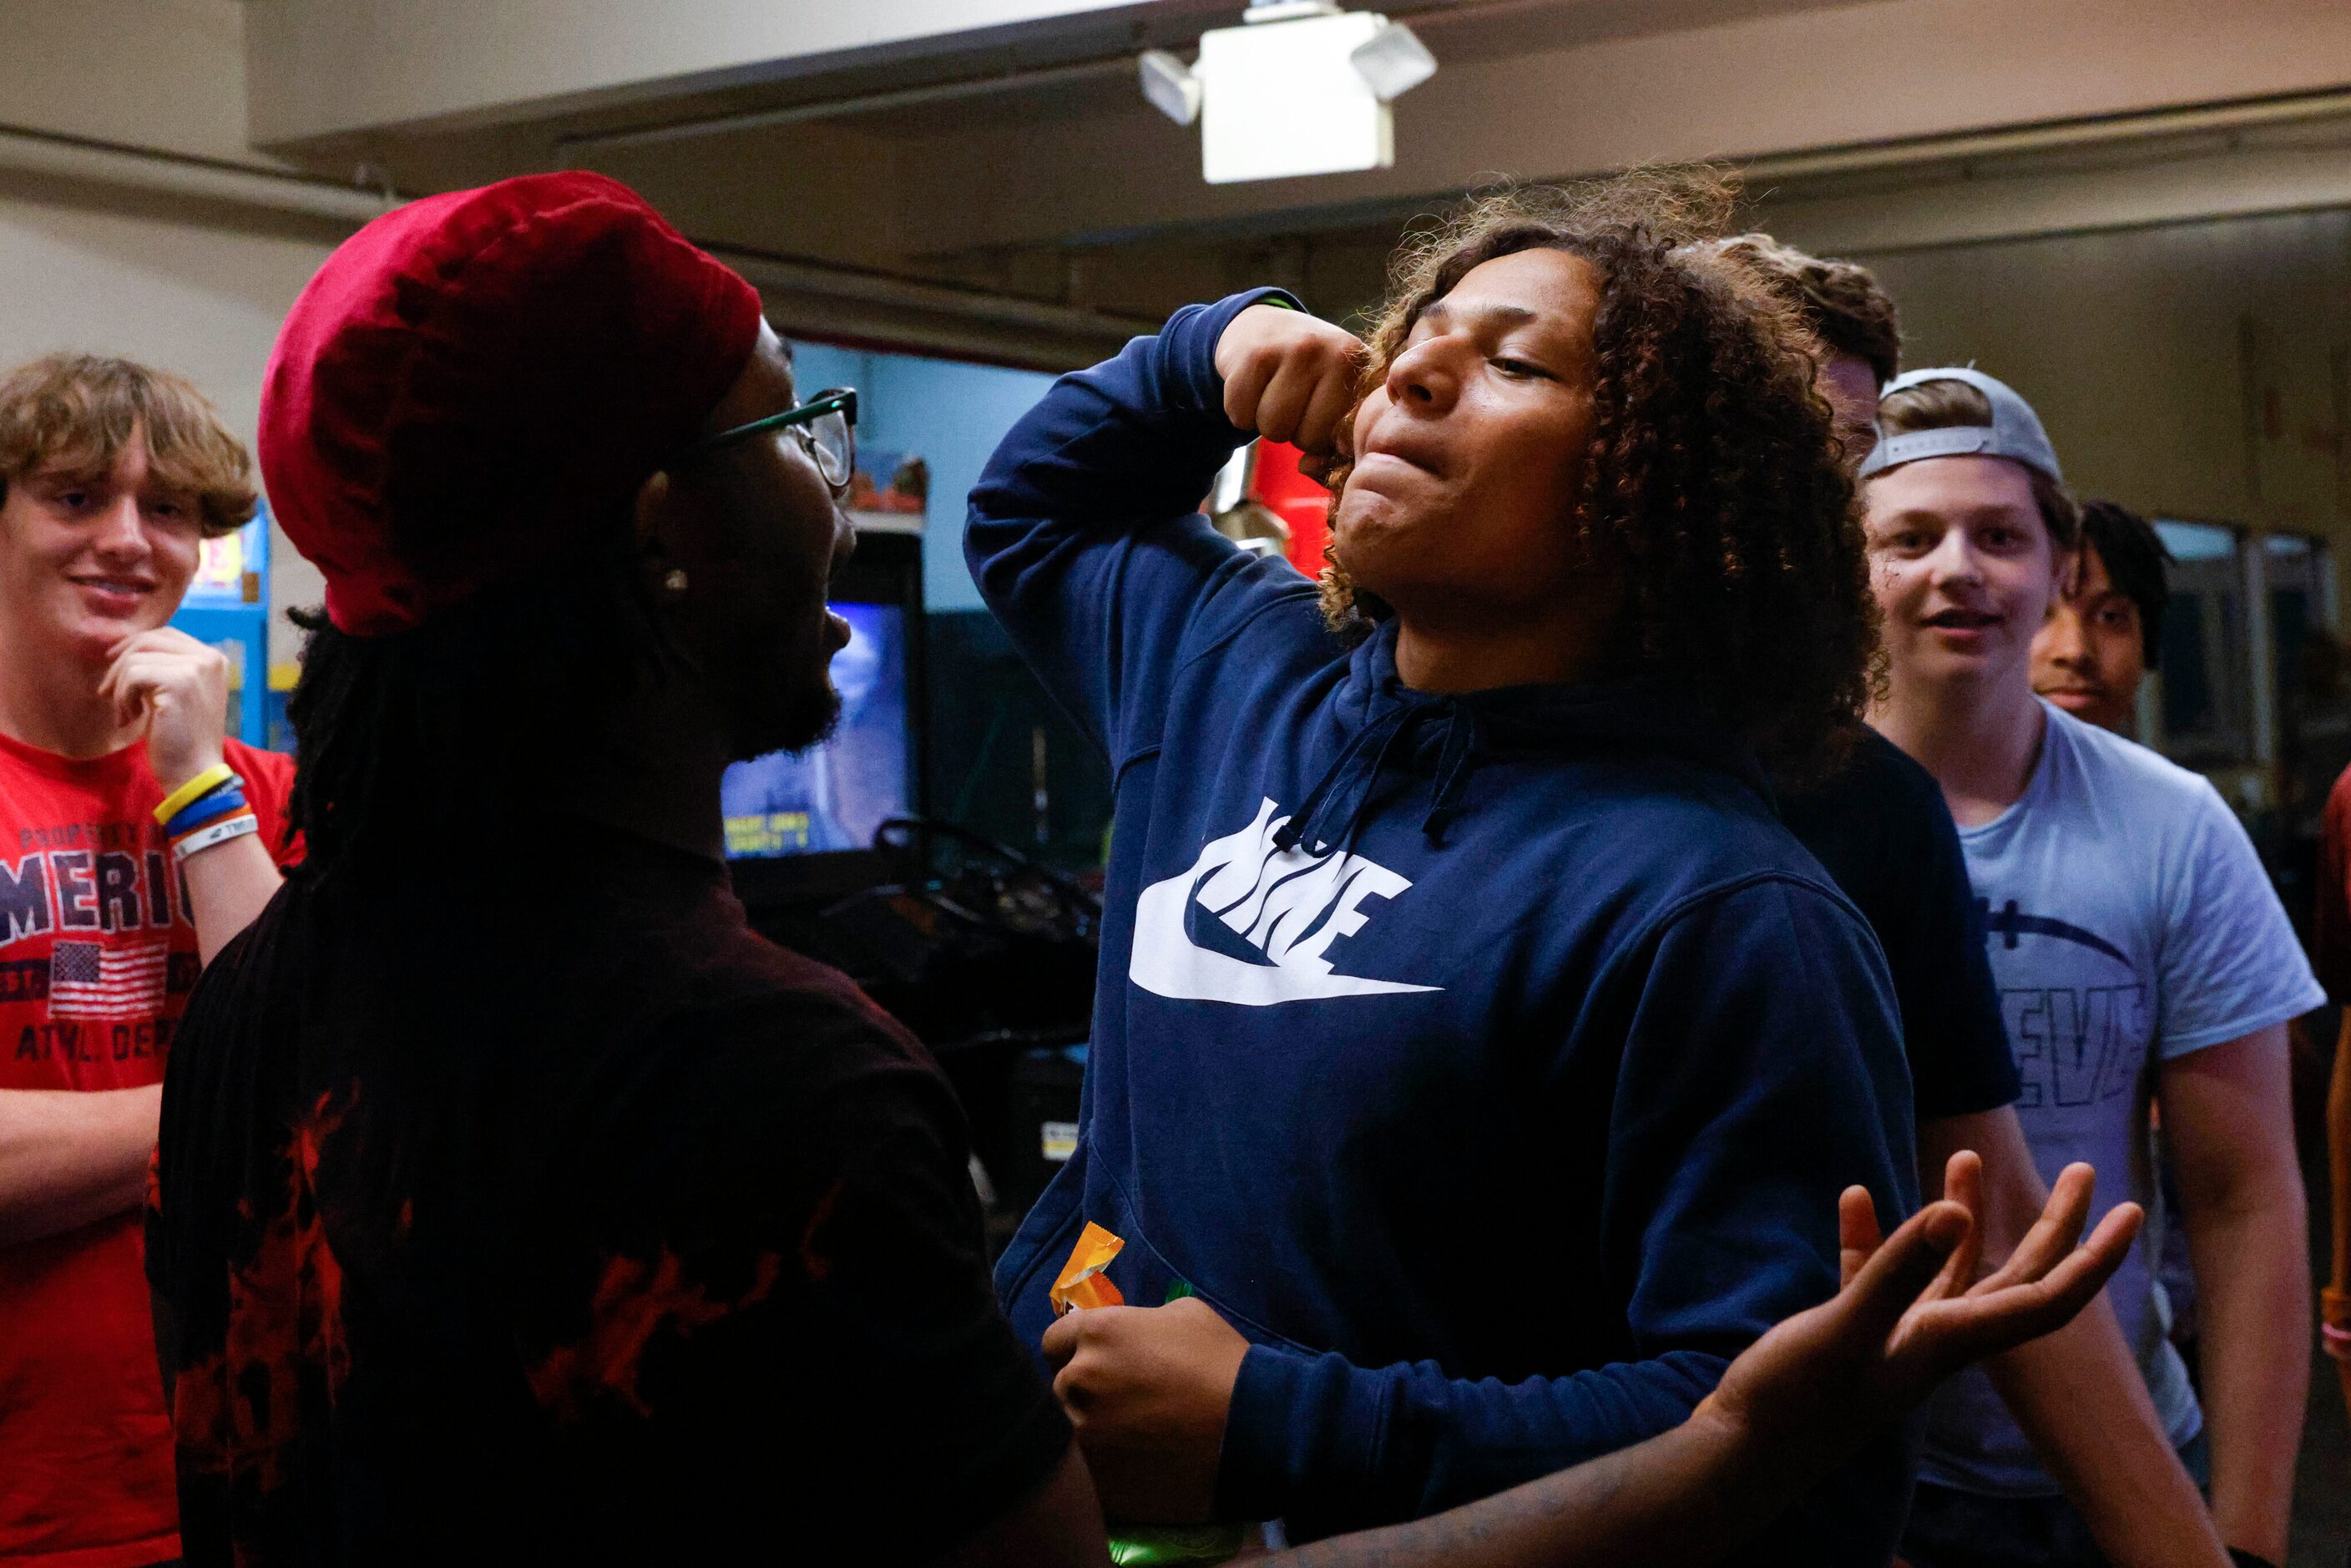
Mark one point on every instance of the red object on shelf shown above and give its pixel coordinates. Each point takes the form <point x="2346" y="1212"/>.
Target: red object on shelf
<point x="1299" y="501"/>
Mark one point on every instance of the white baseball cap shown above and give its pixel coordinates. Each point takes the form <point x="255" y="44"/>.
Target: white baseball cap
<point x="2015" y="431"/>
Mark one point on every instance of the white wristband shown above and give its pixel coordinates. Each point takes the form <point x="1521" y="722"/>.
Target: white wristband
<point x="218" y="833"/>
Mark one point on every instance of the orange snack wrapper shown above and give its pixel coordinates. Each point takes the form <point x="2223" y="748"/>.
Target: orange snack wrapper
<point x="1081" y="1282"/>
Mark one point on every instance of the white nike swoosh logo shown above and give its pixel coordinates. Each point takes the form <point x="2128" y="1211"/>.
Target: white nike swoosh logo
<point x="1286" y="904"/>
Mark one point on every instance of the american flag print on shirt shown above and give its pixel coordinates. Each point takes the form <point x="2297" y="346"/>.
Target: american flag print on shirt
<point x="93" y="980"/>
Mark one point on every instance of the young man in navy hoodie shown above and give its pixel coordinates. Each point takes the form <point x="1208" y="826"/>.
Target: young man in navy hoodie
<point x="1473" y="1042"/>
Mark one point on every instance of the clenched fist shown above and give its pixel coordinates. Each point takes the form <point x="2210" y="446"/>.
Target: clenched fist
<point x="1290" y="377"/>
<point x="177" y="688"/>
<point x="1147" y="1389"/>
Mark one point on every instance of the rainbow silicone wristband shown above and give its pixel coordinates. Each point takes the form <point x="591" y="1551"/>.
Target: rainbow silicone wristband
<point x="218" y="834"/>
<point x="186" y="795"/>
<point x="209" y="808"/>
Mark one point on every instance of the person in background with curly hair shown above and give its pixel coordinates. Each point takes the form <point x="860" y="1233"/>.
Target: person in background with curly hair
<point x="1859" y="331"/>
<point x="2105" y="628"/>
<point x="1476" y="1056"/>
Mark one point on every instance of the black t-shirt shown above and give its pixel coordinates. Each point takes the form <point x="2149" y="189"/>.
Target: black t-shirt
<point x="526" y="1212"/>
<point x="1881" y="829"/>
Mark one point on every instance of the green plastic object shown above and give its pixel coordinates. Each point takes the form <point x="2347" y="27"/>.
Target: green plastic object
<point x="1185" y="1544"/>
<point x="1178" y="1545"/>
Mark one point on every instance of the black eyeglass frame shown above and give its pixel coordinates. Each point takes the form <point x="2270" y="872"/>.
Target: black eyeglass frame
<point x="840" y="400"/>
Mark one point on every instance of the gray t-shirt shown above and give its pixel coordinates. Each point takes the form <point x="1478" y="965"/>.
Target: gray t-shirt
<point x="2130" y="923"/>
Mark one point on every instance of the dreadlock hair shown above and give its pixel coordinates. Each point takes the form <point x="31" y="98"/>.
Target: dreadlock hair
<point x="1712" y="482"/>
<point x="2135" y="557"/>
<point x="441" y="732"/>
<point x="1839" y="300"/>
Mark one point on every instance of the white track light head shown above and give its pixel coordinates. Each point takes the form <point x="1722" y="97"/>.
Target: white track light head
<point x="1394" y="61"/>
<point x="1170" y="86"/>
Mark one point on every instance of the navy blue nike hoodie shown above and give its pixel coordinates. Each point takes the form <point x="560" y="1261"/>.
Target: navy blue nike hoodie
<point x="1492" y="1062"/>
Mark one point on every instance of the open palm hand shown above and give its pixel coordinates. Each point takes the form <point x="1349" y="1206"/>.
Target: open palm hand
<point x="1911" y="1310"/>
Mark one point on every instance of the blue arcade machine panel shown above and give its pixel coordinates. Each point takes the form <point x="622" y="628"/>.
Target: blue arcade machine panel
<point x="228" y="606"/>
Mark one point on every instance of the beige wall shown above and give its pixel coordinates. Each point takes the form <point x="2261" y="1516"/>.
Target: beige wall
<point x="2146" y="351"/>
<point x="1823" y="78"/>
<point x="152" y="73"/>
<point x="193" y="288"/>
<point x="205" y="301"/>
<point x="2195" y="370"/>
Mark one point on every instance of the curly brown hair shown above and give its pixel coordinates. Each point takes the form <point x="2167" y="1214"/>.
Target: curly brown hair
<point x="1841" y="300"/>
<point x="1713" y="484"/>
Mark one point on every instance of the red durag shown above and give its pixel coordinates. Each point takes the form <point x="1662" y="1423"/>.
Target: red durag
<point x="478" y="381"/>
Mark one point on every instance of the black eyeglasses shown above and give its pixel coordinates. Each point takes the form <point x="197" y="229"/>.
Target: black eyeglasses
<point x="826" y="424"/>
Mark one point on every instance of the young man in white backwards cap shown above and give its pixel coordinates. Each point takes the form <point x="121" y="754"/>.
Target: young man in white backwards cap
<point x="2140" y="951"/>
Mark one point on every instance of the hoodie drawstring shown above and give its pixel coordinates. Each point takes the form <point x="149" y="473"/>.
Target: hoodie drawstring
<point x="1342" y="796"/>
<point x="1461" y="737"/>
<point x="1308" y="825"/>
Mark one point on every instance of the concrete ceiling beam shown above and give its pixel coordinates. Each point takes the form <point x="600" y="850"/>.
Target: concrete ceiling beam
<point x="1894" y="71"/>
<point x="320" y="70"/>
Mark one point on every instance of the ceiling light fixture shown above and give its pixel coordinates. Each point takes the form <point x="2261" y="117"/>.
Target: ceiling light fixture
<point x="1300" y="87"/>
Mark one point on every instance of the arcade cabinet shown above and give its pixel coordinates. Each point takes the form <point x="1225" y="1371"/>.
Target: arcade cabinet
<point x="227" y="605"/>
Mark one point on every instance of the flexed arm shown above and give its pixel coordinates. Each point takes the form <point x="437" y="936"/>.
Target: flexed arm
<point x="1084" y="533"/>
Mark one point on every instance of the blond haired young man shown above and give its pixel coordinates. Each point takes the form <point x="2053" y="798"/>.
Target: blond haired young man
<point x="111" y="476"/>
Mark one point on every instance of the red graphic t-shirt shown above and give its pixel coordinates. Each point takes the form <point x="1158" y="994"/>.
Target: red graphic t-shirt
<point x="98" y="953"/>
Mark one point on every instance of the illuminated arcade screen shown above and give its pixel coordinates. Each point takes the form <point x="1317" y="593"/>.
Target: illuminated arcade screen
<point x="832" y="797"/>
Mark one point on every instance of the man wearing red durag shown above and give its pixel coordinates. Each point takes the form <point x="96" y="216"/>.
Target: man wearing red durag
<point x="515" y="1203"/>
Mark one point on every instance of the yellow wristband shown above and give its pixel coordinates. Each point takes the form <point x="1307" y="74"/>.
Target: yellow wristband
<point x="187" y="794"/>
